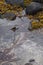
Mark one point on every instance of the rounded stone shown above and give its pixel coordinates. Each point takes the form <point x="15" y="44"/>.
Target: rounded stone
<point x="33" y="8"/>
<point x="10" y="16"/>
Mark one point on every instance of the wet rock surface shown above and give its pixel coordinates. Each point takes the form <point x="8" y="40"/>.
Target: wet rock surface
<point x="22" y="46"/>
<point x="18" y="45"/>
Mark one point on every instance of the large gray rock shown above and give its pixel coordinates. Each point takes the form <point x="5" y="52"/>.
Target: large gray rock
<point x="14" y="1"/>
<point x="33" y="8"/>
<point x="10" y="16"/>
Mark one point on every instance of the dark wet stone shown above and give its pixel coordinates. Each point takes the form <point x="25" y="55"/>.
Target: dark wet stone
<point x="6" y="64"/>
<point x="13" y="18"/>
<point x="33" y="8"/>
<point x="28" y="64"/>
<point x="10" y="16"/>
<point x="14" y="1"/>
<point x="39" y="1"/>
<point x="1" y="16"/>
<point x="32" y="60"/>
<point x="14" y="29"/>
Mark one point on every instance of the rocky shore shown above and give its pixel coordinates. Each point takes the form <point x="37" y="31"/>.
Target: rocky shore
<point x="21" y="32"/>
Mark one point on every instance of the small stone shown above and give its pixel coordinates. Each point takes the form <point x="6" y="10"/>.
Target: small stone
<point x="9" y="16"/>
<point x="32" y="60"/>
<point x="1" y="16"/>
<point x="14" y="29"/>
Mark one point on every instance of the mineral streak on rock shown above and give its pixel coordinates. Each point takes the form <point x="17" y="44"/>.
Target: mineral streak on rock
<point x="5" y="56"/>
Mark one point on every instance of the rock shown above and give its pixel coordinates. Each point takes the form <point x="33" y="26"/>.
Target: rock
<point x="14" y="1"/>
<point x="33" y="8"/>
<point x="14" y="29"/>
<point x="39" y="1"/>
<point x="32" y="60"/>
<point x="1" y="16"/>
<point x="10" y="16"/>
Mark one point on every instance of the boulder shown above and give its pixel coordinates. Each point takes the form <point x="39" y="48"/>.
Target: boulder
<point x="10" y="16"/>
<point x="14" y="1"/>
<point x="33" y="8"/>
